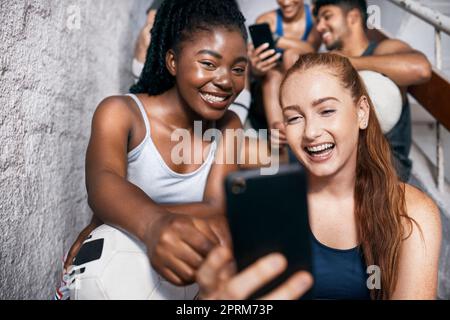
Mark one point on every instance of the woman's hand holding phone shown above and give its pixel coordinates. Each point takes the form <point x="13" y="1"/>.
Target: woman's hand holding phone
<point x="218" y="280"/>
<point x="261" y="59"/>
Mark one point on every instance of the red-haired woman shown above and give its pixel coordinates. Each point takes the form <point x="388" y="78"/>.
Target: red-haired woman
<point x="360" y="214"/>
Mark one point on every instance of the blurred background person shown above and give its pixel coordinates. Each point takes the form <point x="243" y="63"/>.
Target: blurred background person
<point x="343" y="29"/>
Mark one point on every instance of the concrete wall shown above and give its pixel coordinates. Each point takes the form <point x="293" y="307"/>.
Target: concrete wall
<point x="59" y="59"/>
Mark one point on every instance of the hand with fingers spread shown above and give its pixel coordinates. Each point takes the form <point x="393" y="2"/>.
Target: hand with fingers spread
<point x="262" y="60"/>
<point x="178" y="244"/>
<point x="217" y="279"/>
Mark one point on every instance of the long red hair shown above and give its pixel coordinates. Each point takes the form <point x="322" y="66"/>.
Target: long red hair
<point x="379" y="194"/>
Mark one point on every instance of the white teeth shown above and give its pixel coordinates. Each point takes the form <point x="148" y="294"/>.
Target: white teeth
<point x="211" y="98"/>
<point x="320" y="148"/>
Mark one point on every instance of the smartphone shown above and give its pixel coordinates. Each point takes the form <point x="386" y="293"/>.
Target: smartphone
<point x="261" y="34"/>
<point x="269" y="214"/>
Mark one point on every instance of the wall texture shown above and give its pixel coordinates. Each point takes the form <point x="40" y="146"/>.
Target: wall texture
<point x="59" y="59"/>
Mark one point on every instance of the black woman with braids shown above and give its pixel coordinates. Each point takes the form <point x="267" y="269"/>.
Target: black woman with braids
<point x="195" y="68"/>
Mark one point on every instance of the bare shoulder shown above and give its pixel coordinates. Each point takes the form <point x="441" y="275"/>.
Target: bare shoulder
<point x="114" y="111"/>
<point x="392" y="46"/>
<point x="114" y="104"/>
<point x="420" y="248"/>
<point x="267" y="17"/>
<point x="423" y="210"/>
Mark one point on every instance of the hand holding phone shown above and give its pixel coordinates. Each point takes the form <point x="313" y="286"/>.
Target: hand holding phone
<point x="263" y="53"/>
<point x="261" y="34"/>
<point x="268" y="214"/>
<point x="217" y="279"/>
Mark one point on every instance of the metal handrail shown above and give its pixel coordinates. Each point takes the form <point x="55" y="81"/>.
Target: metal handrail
<point x="433" y="17"/>
<point x="441" y="23"/>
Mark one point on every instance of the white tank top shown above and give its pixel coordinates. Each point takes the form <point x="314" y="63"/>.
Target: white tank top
<point x="148" y="171"/>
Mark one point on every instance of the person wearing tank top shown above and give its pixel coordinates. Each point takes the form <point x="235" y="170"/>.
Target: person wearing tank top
<point x="343" y="29"/>
<point x="292" y="25"/>
<point x="372" y="236"/>
<point x="191" y="76"/>
<point x="240" y="105"/>
<point x="279" y="31"/>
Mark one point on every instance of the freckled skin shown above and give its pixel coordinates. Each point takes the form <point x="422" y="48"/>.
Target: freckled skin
<point x="330" y="122"/>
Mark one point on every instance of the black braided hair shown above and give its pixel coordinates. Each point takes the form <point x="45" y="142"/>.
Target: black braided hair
<point x="177" y="21"/>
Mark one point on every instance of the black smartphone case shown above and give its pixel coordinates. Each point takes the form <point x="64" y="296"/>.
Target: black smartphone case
<point x="269" y="214"/>
<point x="261" y="34"/>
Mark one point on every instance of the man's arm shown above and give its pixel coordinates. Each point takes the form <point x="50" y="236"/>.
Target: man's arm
<point x="289" y="43"/>
<point x="314" y="39"/>
<point x="398" y="61"/>
<point x="284" y="42"/>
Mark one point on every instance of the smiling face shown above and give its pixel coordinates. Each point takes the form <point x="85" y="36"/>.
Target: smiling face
<point x="290" y="8"/>
<point x="332" y="26"/>
<point x="322" y="120"/>
<point x="210" y="71"/>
